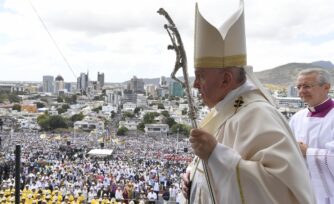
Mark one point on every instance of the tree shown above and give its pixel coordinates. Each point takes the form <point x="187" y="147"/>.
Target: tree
<point x="128" y="115"/>
<point x="141" y="126"/>
<point x="97" y="109"/>
<point x="47" y="122"/>
<point x="71" y="100"/>
<point x="150" y="97"/>
<point x="16" y="107"/>
<point x="122" y="131"/>
<point x="149" y="117"/>
<point x="39" y="104"/>
<point x="136" y="110"/>
<point x="60" y="99"/>
<point x="13" y="98"/>
<point x="2" y="97"/>
<point x="57" y="121"/>
<point x="170" y="121"/>
<point x="181" y="128"/>
<point x="113" y="114"/>
<point x="98" y="98"/>
<point x="184" y="111"/>
<point x="77" y="117"/>
<point x="161" y="106"/>
<point x="43" y="121"/>
<point x="63" y="108"/>
<point x="165" y="113"/>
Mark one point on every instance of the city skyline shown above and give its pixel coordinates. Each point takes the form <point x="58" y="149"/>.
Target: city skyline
<point x="122" y="41"/>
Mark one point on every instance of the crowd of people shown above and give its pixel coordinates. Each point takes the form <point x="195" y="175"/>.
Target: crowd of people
<point x="59" y="170"/>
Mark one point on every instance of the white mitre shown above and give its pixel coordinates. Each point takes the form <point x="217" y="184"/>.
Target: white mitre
<point x="224" y="47"/>
<point x="221" y="48"/>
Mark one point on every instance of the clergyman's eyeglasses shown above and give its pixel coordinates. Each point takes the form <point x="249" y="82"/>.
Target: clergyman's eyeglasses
<point x="306" y="86"/>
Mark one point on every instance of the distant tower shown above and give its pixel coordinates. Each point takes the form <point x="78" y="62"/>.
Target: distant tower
<point x="82" y="82"/>
<point x="48" y="84"/>
<point x="68" y="87"/>
<point x="113" y="98"/>
<point x="176" y="88"/>
<point x="59" y="84"/>
<point x="136" y="85"/>
<point x="150" y="90"/>
<point x="163" y="82"/>
<point x="100" y="79"/>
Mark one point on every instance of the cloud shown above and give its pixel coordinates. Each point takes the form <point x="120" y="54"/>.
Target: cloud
<point x="127" y="38"/>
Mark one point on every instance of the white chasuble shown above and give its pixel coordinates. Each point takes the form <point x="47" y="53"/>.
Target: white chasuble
<point x="256" y="160"/>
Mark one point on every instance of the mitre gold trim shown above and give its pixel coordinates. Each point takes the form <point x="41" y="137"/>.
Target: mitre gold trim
<point x="221" y="62"/>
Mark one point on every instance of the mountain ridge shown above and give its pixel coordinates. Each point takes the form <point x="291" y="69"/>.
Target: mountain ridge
<point x="283" y="75"/>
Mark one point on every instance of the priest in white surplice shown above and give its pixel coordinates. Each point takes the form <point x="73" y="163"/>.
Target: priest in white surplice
<point x="314" y="130"/>
<point x="246" y="144"/>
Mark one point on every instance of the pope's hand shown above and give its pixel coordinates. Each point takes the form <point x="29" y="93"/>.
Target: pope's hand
<point x="203" y="143"/>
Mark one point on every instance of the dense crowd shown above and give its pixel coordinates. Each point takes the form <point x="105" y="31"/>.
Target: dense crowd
<point x="57" y="169"/>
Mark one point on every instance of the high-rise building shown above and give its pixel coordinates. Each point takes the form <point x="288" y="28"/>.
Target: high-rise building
<point x="136" y="85"/>
<point x="82" y="82"/>
<point x="141" y="100"/>
<point x="68" y="87"/>
<point x="150" y="90"/>
<point x="59" y="84"/>
<point x="129" y="96"/>
<point x="176" y="89"/>
<point x="100" y="79"/>
<point x="163" y="82"/>
<point x="48" y="84"/>
<point x="113" y="97"/>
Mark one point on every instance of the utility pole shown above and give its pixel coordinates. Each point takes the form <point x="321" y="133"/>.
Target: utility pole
<point x="17" y="173"/>
<point x="177" y="141"/>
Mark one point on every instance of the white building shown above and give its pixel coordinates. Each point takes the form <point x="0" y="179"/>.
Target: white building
<point x="89" y="124"/>
<point x="129" y="124"/>
<point x="141" y="101"/>
<point x="129" y="107"/>
<point x="113" y="98"/>
<point x="28" y="123"/>
<point x="290" y="102"/>
<point x="183" y="106"/>
<point x="59" y="84"/>
<point x="150" y="90"/>
<point x="156" y="129"/>
<point x="48" y="85"/>
<point x="109" y="109"/>
<point x="182" y="119"/>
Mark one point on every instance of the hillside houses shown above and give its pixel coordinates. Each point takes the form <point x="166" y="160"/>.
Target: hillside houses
<point x="119" y="106"/>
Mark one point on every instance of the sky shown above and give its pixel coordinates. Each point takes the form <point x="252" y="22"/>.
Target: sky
<point x="126" y="38"/>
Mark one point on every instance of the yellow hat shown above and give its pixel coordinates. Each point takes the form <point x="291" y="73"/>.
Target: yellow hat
<point x="223" y="47"/>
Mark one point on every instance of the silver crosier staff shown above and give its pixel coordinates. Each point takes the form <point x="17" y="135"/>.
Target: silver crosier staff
<point x="181" y="62"/>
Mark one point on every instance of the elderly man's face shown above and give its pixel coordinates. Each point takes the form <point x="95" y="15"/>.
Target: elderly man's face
<point x="208" y="82"/>
<point x="310" y="90"/>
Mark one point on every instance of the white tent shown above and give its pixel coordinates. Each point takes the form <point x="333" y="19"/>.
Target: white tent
<point x="100" y="152"/>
